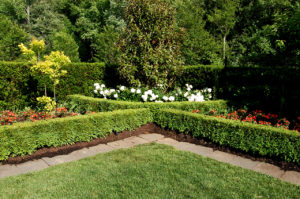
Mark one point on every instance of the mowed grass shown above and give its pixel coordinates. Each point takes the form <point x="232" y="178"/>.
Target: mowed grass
<point x="146" y="171"/>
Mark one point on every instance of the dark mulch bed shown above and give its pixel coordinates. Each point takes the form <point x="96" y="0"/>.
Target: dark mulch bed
<point x="148" y="128"/>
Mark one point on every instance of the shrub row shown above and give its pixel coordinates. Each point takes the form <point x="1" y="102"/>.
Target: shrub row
<point x="262" y="140"/>
<point x="84" y="103"/>
<point x="19" y="89"/>
<point x="25" y="138"/>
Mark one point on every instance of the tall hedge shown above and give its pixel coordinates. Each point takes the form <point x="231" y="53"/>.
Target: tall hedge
<point x="19" y="89"/>
<point x="272" y="89"/>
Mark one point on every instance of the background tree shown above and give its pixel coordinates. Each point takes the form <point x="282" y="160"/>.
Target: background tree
<point x="199" y="46"/>
<point x="222" y="18"/>
<point x="65" y="42"/>
<point x="150" y="52"/>
<point x="11" y="35"/>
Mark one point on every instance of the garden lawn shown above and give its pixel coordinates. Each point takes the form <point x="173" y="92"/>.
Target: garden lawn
<point x="146" y="171"/>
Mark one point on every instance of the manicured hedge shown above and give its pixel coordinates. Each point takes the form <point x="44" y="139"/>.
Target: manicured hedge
<point x="200" y="76"/>
<point x="271" y="89"/>
<point x="16" y="85"/>
<point x="84" y="103"/>
<point x="256" y="139"/>
<point x="25" y="138"/>
<point x="19" y="89"/>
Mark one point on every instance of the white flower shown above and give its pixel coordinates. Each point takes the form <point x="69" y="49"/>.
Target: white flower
<point x="106" y="92"/>
<point x="165" y="98"/>
<point x="188" y="89"/>
<point x="186" y="94"/>
<point x="101" y="92"/>
<point x="148" y="92"/>
<point x="95" y="91"/>
<point x="132" y="90"/>
<point x="122" y="88"/>
<point x="138" y="91"/>
<point x="116" y="95"/>
<point x="200" y="98"/>
<point x="112" y="90"/>
<point x="144" y="97"/>
<point x="209" y="90"/>
<point x="96" y="84"/>
<point x="171" y="98"/>
<point x="102" y="85"/>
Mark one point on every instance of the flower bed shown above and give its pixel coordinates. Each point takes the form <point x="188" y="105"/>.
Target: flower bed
<point x="152" y="95"/>
<point x="257" y="117"/>
<point x="9" y="117"/>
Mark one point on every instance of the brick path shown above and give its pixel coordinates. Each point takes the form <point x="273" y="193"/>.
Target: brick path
<point x="269" y="169"/>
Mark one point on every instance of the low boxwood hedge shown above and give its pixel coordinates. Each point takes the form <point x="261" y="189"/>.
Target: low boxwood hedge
<point x="83" y="103"/>
<point x="248" y="137"/>
<point x="25" y="138"/>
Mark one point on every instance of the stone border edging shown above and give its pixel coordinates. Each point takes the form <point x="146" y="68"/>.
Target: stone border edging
<point x="261" y="167"/>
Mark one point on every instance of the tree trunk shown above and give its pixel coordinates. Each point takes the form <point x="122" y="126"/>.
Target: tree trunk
<point x="28" y="14"/>
<point x="45" y="90"/>
<point x="54" y="92"/>
<point x="224" y="47"/>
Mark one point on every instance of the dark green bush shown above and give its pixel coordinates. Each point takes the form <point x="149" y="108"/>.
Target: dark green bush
<point x="25" y="138"/>
<point x="256" y="139"/>
<point x="83" y="103"/>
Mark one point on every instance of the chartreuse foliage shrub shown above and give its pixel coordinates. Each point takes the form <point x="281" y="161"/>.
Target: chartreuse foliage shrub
<point x="256" y="139"/>
<point x="25" y="138"/>
<point x="82" y="104"/>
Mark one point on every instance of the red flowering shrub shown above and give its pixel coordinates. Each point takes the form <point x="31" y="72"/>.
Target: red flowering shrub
<point x="256" y="117"/>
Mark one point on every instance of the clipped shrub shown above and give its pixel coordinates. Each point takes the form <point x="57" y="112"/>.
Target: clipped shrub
<point x="248" y="137"/>
<point x="200" y="76"/>
<point x="25" y="138"/>
<point x="83" y="103"/>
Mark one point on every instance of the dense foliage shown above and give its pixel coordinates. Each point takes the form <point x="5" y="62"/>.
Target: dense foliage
<point x="231" y="32"/>
<point x="149" y="45"/>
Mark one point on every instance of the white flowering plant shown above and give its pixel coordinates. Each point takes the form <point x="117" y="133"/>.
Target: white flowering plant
<point x="152" y="95"/>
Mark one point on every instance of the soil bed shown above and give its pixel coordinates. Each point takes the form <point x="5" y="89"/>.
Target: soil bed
<point x="148" y="128"/>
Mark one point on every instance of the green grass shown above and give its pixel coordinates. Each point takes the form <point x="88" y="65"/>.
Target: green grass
<point x="146" y="171"/>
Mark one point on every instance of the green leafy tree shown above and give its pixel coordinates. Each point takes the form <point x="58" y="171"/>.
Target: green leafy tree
<point x="199" y="46"/>
<point x="10" y="36"/>
<point x="150" y="52"/>
<point x="65" y="42"/>
<point x="106" y="46"/>
<point x="223" y="16"/>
